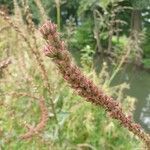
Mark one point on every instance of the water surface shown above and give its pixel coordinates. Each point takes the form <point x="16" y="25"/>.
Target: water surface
<point x="139" y="81"/>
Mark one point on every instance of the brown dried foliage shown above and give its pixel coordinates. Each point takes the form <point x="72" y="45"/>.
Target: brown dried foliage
<point x="40" y="126"/>
<point x="4" y="63"/>
<point x="32" y="131"/>
<point x="34" y="50"/>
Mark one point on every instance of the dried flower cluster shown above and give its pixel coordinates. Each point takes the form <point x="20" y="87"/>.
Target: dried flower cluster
<point x="5" y="63"/>
<point x="44" y="118"/>
<point x="32" y="131"/>
<point x="33" y="49"/>
<point x="56" y="49"/>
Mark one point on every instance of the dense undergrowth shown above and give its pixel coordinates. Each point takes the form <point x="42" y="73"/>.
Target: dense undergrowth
<point x="30" y="77"/>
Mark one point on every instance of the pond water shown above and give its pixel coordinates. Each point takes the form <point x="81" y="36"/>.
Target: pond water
<point x="139" y="81"/>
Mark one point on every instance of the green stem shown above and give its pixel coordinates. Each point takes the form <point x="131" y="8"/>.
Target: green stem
<point x="58" y="13"/>
<point x="120" y="65"/>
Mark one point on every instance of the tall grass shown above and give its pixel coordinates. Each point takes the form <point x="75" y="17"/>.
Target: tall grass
<point x="38" y="109"/>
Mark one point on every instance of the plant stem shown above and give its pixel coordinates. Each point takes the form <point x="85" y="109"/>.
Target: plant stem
<point x="58" y="13"/>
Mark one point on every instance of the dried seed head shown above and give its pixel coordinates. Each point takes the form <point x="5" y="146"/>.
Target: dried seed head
<point x="49" y="50"/>
<point x="84" y="86"/>
<point x="48" y="28"/>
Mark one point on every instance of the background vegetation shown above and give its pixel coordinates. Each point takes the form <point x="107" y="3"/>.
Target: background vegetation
<point x="103" y="36"/>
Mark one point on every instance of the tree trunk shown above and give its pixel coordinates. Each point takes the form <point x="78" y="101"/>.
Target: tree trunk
<point x="136" y="28"/>
<point x="96" y="31"/>
<point x="136" y="22"/>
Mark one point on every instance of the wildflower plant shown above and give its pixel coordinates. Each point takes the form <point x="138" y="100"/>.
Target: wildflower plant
<point x="56" y="49"/>
<point x="38" y="110"/>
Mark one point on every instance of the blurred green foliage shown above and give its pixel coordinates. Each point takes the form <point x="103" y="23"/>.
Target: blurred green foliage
<point x="80" y="124"/>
